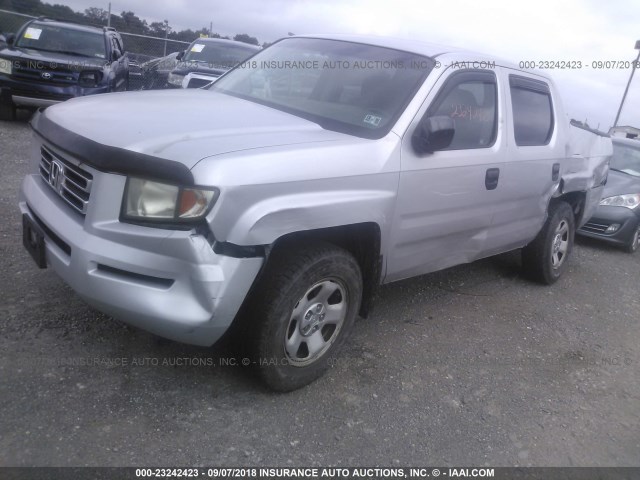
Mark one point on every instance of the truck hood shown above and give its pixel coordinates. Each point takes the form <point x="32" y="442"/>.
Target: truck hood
<point x="182" y="126"/>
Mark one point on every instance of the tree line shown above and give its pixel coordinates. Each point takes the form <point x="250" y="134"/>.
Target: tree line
<point x="126" y="21"/>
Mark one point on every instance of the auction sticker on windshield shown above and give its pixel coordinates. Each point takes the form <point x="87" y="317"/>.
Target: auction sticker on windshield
<point x="33" y="33"/>
<point x="198" y="47"/>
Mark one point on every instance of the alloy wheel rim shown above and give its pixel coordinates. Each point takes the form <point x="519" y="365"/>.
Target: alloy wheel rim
<point x="315" y="322"/>
<point x="560" y="244"/>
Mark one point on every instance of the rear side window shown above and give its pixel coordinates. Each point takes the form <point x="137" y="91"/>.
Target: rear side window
<point x="116" y="46"/>
<point x="532" y="111"/>
<point x="120" y="44"/>
<point x="470" y="99"/>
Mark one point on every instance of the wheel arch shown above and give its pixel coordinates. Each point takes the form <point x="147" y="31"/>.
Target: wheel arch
<point x="576" y="201"/>
<point x="362" y="240"/>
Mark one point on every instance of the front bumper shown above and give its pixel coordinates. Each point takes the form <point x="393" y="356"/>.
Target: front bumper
<point x="604" y="217"/>
<point x="31" y="94"/>
<point x="170" y="283"/>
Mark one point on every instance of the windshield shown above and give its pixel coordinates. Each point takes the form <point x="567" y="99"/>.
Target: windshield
<point x="626" y="159"/>
<point x="217" y="54"/>
<point x="54" y="38"/>
<point x="347" y="87"/>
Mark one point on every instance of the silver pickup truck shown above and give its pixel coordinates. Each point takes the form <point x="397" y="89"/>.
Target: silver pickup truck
<point x="280" y="197"/>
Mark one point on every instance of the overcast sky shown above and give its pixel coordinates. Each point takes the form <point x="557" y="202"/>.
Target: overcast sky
<point x="580" y="30"/>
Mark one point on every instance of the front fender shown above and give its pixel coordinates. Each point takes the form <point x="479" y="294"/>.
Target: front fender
<point x="275" y="217"/>
<point x="266" y="193"/>
<point x="304" y="207"/>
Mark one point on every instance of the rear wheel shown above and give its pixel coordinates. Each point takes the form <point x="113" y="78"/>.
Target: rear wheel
<point x="302" y="312"/>
<point x="633" y="244"/>
<point x="7" y="110"/>
<point x="545" y="259"/>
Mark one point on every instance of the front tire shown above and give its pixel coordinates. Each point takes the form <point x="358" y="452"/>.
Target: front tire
<point x="301" y="313"/>
<point x="633" y="244"/>
<point x="545" y="259"/>
<point x="7" y="111"/>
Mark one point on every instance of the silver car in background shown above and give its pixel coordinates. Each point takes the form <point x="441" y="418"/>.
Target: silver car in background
<point x="617" y="219"/>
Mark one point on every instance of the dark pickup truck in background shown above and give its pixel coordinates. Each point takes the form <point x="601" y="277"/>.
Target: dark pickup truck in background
<point x="206" y="59"/>
<point x="49" y="61"/>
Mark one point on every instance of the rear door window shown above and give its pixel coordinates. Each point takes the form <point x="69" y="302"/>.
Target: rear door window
<point x="533" y="120"/>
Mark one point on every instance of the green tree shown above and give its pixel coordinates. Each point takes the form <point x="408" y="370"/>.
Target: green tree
<point x="126" y="22"/>
<point x="243" y="37"/>
<point x="30" y="7"/>
<point x="96" y="15"/>
<point x="61" y="12"/>
<point x="133" y="24"/>
<point x="158" y="29"/>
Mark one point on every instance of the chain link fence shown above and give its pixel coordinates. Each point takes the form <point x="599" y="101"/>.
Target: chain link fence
<point x="10" y="22"/>
<point x="143" y="47"/>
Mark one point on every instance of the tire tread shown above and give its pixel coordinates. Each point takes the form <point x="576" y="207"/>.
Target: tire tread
<point x="536" y="260"/>
<point x="286" y="267"/>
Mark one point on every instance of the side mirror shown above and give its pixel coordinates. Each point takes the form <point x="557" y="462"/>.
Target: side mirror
<point x="433" y="133"/>
<point x="10" y="38"/>
<point x="179" y="56"/>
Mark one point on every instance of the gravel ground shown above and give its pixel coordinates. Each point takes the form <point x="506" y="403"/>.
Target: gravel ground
<point x="470" y="366"/>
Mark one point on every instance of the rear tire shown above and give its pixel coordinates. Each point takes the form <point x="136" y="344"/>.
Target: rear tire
<point x="301" y="312"/>
<point x="633" y="244"/>
<point x="545" y="258"/>
<point x="7" y="111"/>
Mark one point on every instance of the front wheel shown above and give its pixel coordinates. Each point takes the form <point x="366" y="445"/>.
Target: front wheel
<point x="633" y="244"/>
<point x="303" y="309"/>
<point x="7" y="111"/>
<point x="545" y="259"/>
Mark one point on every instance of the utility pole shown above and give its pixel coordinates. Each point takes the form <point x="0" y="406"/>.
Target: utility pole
<point x="211" y="30"/>
<point x="626" y="90"/>
<point x="109" y="16"/>
<point x="166" y="34"/>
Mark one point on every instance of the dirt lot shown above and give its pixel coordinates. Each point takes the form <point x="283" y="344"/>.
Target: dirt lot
<point x="470" y="366"/>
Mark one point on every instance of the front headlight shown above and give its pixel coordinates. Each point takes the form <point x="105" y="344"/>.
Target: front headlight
<point x="175" y="79"/>
<point x="631" y="200"/>
<point x="148" y="201"/>
<point x="89" y="78"/>
<point x="5" y="66"/>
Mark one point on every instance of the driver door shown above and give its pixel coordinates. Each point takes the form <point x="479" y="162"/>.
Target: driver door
<point x="446" y="199"/>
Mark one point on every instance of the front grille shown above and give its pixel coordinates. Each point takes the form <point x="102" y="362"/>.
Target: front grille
<point x="71" y="182"/>
<point x="45" y="73"/>
<point x="595" y="227"/>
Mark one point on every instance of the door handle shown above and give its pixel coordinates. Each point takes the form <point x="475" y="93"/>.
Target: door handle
<point x="491" y="178"/>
